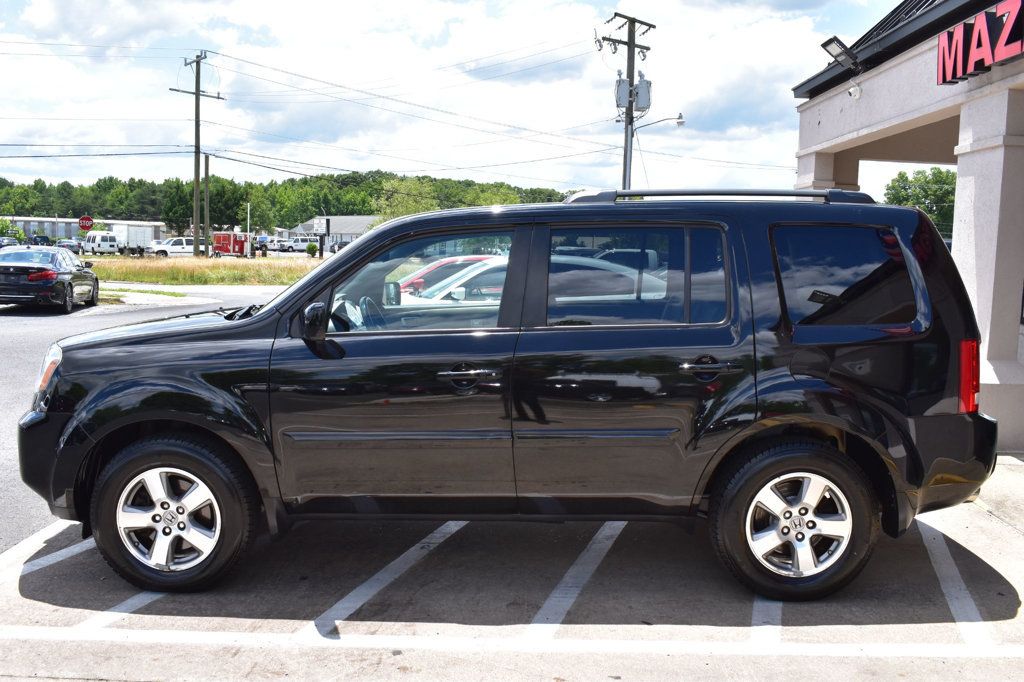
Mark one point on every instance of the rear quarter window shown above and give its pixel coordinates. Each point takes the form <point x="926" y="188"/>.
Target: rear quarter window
<point x="843" y="275"/>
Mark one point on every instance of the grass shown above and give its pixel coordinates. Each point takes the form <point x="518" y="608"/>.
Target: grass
<point x="176" y="294"/>
<point x="203" y="270"/>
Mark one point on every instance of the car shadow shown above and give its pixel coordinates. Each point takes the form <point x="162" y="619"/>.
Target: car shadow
<point x="501" y="573"/>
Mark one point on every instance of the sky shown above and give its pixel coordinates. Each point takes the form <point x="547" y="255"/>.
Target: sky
<point x="511" y="91"/>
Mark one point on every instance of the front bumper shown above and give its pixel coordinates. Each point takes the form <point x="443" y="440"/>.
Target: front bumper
<point x="50" y="456"/>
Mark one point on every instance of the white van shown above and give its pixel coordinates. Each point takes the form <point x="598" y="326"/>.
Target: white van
<point x="299" y="243"/>
<point x="101" y="242"/>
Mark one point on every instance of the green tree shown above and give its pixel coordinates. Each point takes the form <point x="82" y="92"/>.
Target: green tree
<point x="933" y="191"/>
<point x="262" y="211"/>
<point x="176" y="211"/>
<point x="404" y="196"/>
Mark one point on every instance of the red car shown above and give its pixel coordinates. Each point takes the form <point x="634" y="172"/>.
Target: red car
<point x="436" y="271"/>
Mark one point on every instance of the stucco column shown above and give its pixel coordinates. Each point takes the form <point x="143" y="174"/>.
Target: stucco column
<point x="988" y="222"/>
<point x="822" y="170"/>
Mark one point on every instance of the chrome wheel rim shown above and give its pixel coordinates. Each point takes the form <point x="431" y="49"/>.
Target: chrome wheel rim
<point x="168" y="519"/>
<point x="798" y="524"/>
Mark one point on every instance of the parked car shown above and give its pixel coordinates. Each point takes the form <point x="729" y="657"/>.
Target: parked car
<point x="804" y="374"/>
<point x="335" y="247"/>
<point x="100" y="242"/>
<point x="176" y="246"/>
<point x="73" y="245"/>
<point x="299" y="243"/>
<point x="437" y="270"/>
<point x="47" y="275"/>
<point x="39" y="240"/>
<point x="8" y="241"/>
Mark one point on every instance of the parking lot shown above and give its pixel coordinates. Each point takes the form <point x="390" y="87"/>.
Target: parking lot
<point x="455" y="600"/>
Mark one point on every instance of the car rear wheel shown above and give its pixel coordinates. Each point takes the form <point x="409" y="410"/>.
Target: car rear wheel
<point x="69" y="299"/>
<point x="797" y="520"/>
<point x="173" y="513"/>
<point x="94" y="298"/>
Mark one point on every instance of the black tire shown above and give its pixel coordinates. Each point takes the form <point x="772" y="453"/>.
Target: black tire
<point x="226" y="478"/>
<point x="94" y="297"/>
<point x="68" y="306"/>
<point x="734" y="495"/>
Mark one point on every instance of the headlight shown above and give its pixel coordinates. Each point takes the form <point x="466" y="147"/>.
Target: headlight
<point x="50" y="364"/>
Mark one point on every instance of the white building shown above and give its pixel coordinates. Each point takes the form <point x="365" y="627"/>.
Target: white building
<point x="942" y="81"/>
<point x="66" y="228"/>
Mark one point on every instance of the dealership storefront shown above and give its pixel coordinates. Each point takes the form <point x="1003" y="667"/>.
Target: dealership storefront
<point x="942" y="82"/>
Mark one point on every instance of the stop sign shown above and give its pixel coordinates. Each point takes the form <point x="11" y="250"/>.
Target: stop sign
<point x="85" y="223"/>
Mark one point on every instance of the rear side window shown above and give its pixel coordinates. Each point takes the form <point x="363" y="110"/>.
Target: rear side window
<point x="843" y="276"/>
<point x="629" y="275"/>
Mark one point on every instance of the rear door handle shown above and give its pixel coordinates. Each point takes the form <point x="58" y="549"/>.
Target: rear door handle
<point x="710" y="368"/>
<point x="469" y="374"/>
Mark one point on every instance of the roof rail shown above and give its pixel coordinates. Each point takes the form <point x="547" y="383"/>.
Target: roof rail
<point x="829" y="196"/>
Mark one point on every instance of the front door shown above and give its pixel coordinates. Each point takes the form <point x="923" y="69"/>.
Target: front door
<point x="634" y="339"/>
<point x="404" y="409"/>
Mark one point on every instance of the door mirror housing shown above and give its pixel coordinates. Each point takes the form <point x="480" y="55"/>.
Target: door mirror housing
<point x="87" y="264"/>
<point x="392" y="293"/>
<point x="314" y="322"/>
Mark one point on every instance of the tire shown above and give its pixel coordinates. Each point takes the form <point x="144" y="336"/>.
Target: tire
<point x="94" y="298"/>
<point x="224" y="525"/>
<point x="779" y="474"/>
<point x="68" y="306"/>
<point x="161" y="254"/>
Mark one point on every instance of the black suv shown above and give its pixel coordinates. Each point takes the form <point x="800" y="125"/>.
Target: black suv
<point x="803" y="373"/>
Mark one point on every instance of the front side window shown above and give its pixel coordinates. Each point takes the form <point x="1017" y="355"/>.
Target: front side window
<point x="843" y="275"/>
<point x="378" y="296"/>
<point x="632" y="275"/>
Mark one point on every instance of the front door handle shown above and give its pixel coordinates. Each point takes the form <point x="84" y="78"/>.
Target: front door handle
<point x="469" y="374"/>
<point x="710" y="368"/>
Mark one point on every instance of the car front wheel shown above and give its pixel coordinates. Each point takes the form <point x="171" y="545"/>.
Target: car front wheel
<point x="173" y="513"/>
<point x="796" y="521"/>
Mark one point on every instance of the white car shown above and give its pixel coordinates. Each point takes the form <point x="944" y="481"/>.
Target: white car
<point x="299" y="243"/>
<point x="176" y="246"/>
<point x="100" y="242"/>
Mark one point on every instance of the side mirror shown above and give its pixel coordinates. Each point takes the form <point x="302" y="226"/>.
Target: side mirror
<point x="392" y="293"/>
<point x="87" y="264"/>
<point x="314" y="322"/>
<point x="459" y="293"/>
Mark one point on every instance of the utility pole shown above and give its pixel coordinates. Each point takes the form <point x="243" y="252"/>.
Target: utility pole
<point x="206" y="204"/>
<point x="195" y="176"/>
<point x="632" y="46"/>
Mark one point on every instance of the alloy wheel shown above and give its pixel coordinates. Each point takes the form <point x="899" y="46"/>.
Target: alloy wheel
<point x="168" y="519"/>
<point x="798" y="524"/>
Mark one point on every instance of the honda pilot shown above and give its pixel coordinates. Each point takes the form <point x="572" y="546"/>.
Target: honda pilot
<point x="804" y="373"/>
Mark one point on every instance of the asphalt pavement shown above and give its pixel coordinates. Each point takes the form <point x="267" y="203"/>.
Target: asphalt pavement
<point x="451" y="600"/>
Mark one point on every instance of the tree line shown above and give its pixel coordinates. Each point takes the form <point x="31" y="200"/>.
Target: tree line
<point x="274" y="204"/>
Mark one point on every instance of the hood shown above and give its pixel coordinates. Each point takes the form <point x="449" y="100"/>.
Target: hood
<point x="162" y="330"/>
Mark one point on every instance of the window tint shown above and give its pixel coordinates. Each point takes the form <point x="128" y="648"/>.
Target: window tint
<point x="378" y="295"/>
<point x="844" y="275"/>
<point x="614" y="276"/>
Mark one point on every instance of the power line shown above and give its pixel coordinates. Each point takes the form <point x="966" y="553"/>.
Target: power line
<point x="106" y="47"/>
<point x="97" y="154"/>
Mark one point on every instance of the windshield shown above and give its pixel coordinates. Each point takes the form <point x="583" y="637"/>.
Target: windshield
<point x="27" y="256"/>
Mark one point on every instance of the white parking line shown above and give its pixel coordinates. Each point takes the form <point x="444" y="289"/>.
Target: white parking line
<point x="59" y="555"/>
<point x="973" y="629"/>
<point x="561" y="599"/>
<point x="488" y="644"/>
<point x="766" y="621"/>
<point x="16" y="555"/>
<point x="116" y="613"/>
<point x="326" y="624"/>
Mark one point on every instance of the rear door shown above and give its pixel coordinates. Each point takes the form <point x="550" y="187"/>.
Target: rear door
<point x="624" y="371"/>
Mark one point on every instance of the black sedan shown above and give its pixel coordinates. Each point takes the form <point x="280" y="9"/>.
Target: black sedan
<point x="47" y="275"/>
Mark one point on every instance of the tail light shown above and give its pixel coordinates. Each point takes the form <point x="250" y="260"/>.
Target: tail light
<point x="970" y="375"/>
<point x="43" y="276"/>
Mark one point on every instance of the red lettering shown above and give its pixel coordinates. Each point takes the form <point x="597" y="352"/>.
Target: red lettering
<point x="1013" y="27"/>
<point x="951" y="55"/>
<point x="980" y="56"/>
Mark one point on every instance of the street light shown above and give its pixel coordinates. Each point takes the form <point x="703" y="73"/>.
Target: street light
<point x="628" y="159"/>
<point x="838" y="50"/>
